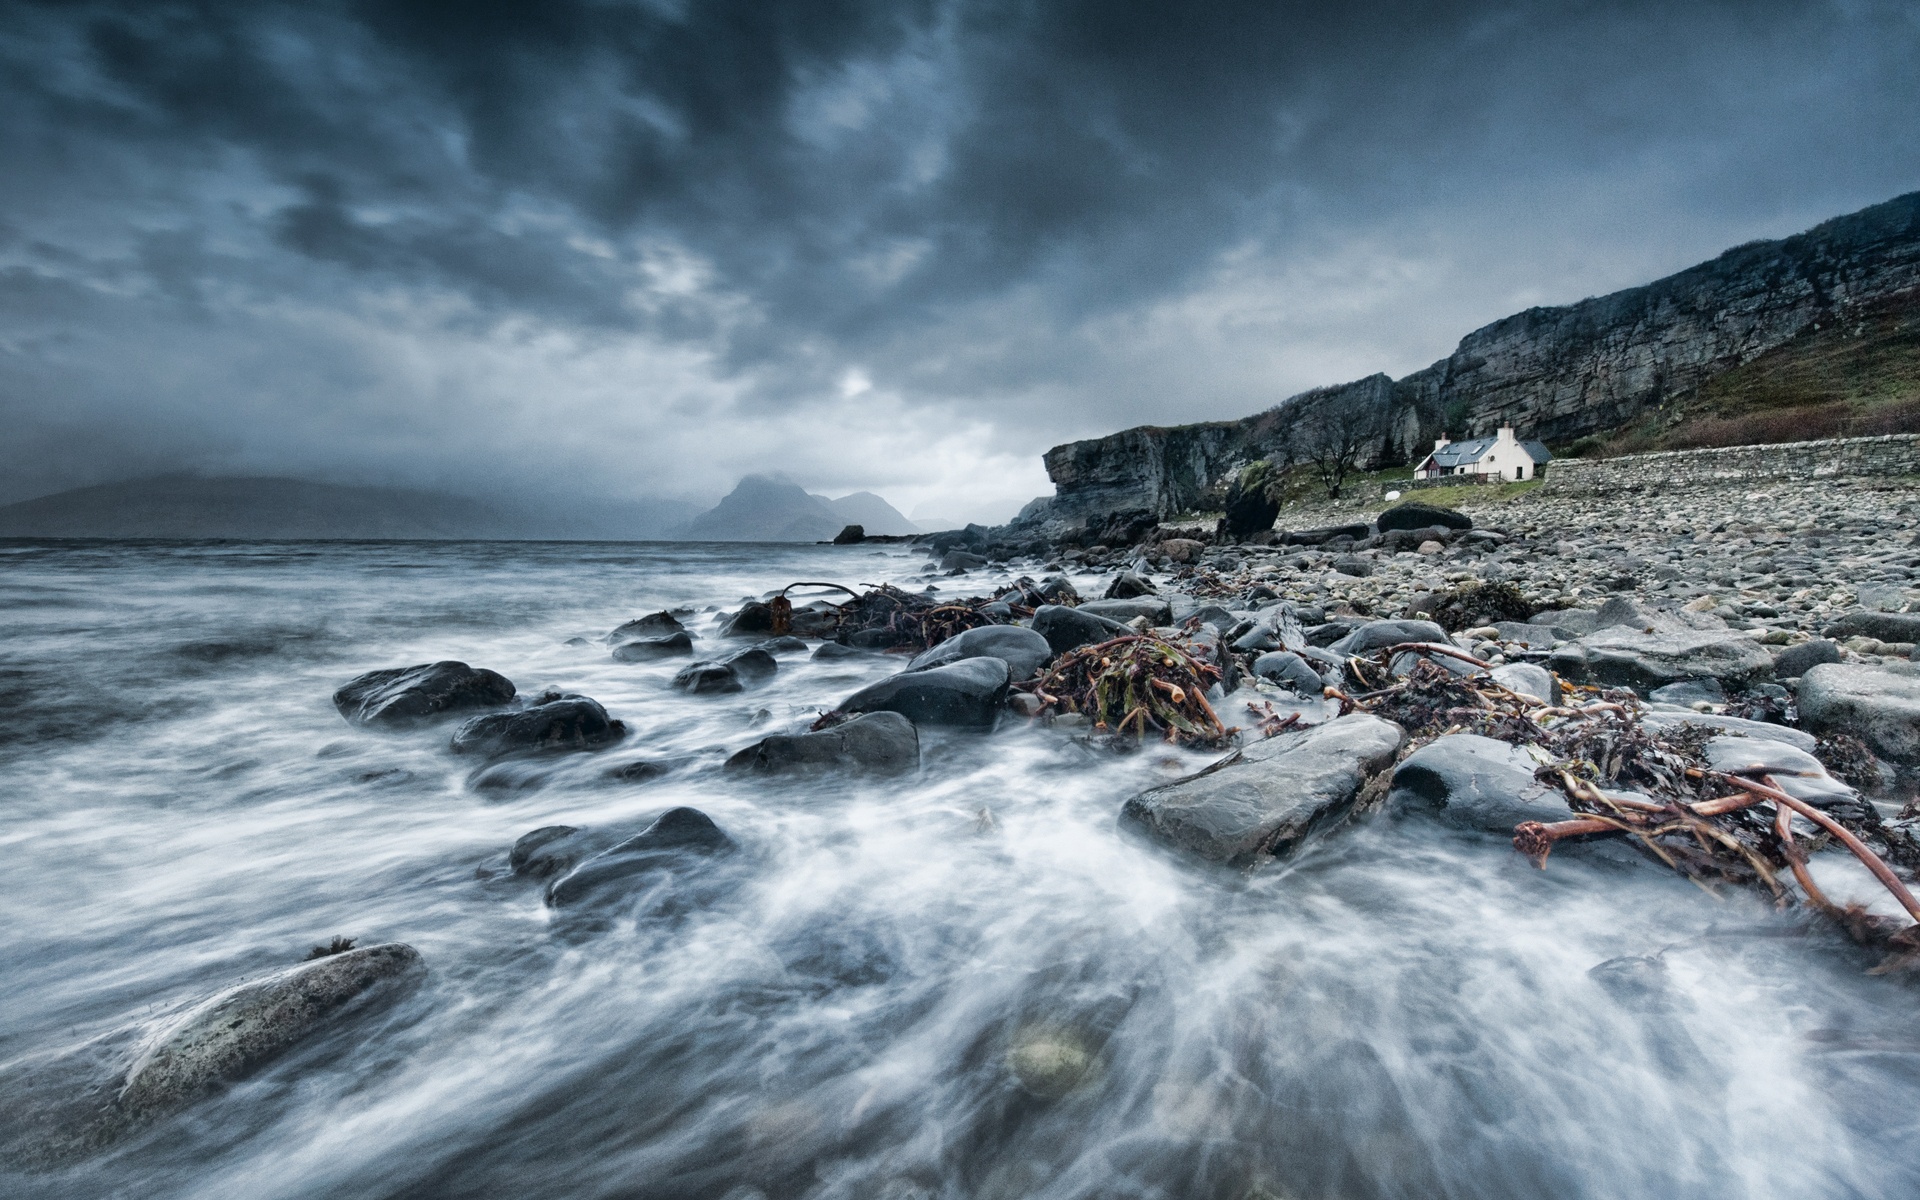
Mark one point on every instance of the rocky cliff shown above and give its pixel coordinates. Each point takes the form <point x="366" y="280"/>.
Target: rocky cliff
<point x="1553" y="373"/>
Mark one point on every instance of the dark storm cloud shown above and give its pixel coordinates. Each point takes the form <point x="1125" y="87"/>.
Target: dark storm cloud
<point x="1031" y="220"/>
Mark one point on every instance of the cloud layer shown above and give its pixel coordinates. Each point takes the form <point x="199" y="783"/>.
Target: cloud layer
<point x="643" y="248"/>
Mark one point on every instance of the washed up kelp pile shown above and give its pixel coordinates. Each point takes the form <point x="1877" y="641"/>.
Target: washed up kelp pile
<point x="1623" y="777"/>
<point x="1136" y="685"/>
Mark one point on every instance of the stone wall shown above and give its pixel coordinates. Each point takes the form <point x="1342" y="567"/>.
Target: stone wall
<point x="1833" y="458"/>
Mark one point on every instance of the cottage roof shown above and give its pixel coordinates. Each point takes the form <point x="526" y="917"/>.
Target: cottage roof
<point x="1460" y="454"/>
<point x="1537" y="451"/>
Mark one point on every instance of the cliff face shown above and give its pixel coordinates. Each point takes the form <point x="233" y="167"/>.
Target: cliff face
<point x="1553" y="373"/>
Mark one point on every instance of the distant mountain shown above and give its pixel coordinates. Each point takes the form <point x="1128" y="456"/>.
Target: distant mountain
<point x="872" y="514"/>
<point x="766" y="508"/>
<point x="266" y="507"/>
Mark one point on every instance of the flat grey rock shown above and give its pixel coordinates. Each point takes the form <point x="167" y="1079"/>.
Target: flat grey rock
<point x="1023" y="650"/>
<point x="1880" y="707"/>
<point x="1884" y="626"/>
<point x="1280" y="792"/>
<point x="1289" y="670"/>
<point x="1621" y="656"/>
<point x="1378" y="635"/>
<point x="1527" y="679"/>
<point x="1657" y="718"/>
<point x="1475" y="782"/>
<point x="1795" y="661"/>
<point x="877" y="743"/>
<point x="969" y="693"/>
<point x="1154" y="609"/>
<point x="1799" y="773"/>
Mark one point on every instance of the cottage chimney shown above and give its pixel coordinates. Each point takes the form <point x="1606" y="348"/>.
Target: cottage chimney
<point x="1505" y="433"/>
<point x="1440" y="443"/>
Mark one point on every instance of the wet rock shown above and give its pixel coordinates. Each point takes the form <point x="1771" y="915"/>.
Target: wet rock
<point x="1421" y="516"/>
<point x="679" y="837"/>
<point x="785" y="644"/>
<point x="1880" y="707"/>
<point x="1320" y="537"/>
<point x="1658" y="720"/>
<point x="969" y="693"/>
<point x="1277" y="794"/>
<point x="876" y="743"/>
<point x="1023" y="650"/>
<point x="564" y="722"/>
<point x="544" y="851"/>
<point x="1795" y="661"/>
<point x="1378" y="635"/>
<point x="1211" y="614"/>
<point x="641" y="770"/>
<point x="1798" y="772"/>
<point x="961" y="560"/>
<point x="1275" y="628"/>
<point x="1689" y="692"/>
<point x="1159" y="612"/>
<point x="752" y="665"/>
<point x="1185" y="550"/>
<point x="1128" y="586"/>
<point x="669" y="645"/>
<point x="1049" y="1060"/>
<point x="1475" y="782"/>
<point x="653" y="625"/>
<point x="833" y="650"/>
<point x="1067" y="628"/>
<point x="1354" y="565"/>
<point x="1880" y="626"/>
<point x="1528" y="680"/>
<point x="753" y="620"/>
<point x="244" y="1027"/>
<point x="850" y="535"/>
<point x="1289" y="670"/>
<point x="1058" y="589"/>
<point x="401" y="696"/>
<point x="707" y="678"/>
<point x="1621" y="656"/>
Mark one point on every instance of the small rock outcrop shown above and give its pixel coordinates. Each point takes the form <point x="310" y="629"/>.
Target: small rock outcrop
<point x="1475" y="782"/>
<point x="875" y="743"/>
<point x="653" y="625"/>
<point x="969" y="694"/>
<point x="1421" y="516"/>
<point x="679" y="837"/>
<point x="647" y="649"/>
<point x="558" y="721"/>
<point x="1622" y="656"/>
<point x="402" y="696"/>
<point x="1881" y="708"/>
<point x="1278" y="793"/>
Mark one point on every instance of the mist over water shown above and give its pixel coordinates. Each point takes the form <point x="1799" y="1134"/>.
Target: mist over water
<point x="882" y="994"/>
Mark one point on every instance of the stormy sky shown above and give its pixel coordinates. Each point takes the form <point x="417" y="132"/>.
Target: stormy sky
<point x="640" y="248"/>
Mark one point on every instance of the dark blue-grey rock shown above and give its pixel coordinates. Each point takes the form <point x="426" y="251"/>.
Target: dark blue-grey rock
<point x="1795" y="661"/>
<point x="969" y="693"/>
<point x="1068" y="628"/>
<point x="961" y="560"/>
<point x="1155" y="610"/>
<point x="1275" y="628"/>
<point x="1129" y="586"/>
<point x="1023" y="650"/>
<point x="562" y="723"/>
<point x="752" y="665"/>
<point x="1475" y="782"/>
<point x="543" y="852"/>
<point x="1880" y="707"/>
<point x="784" y="644"/>
<point x="1289" y="670"/>
<point x="1882" y="626"/>
<point x="1421" y="516"/>
<point x="1797" y="771"/>
<point x="833" y="650"/>
<point x="707" y="678"/>
<point x="1528" y="680"/>
<point x="1660" y="719"/>
<point x="1378" y="635"/>
<point x="244" y="1027"/>
<point x="753" y="620"/>
<point x="1277" y="794"/>
<point x="1531" y="635"/>
<point x="1211" y="614"/>
<point x="669" y="645"/>
<point x="875" y="743"/>
<point x="653" y="625"/>
<point x="1354" y="565"/>
<point x="1623" y="656"/>
<point x="402" y="696"/>
<point x="680" y="837"/>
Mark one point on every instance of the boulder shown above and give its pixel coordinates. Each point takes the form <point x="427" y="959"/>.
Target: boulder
<point x="1475" y="782"/>
<point x="961" y="560"/>
<point x="546" y="851"/>
<point x="1795" y="661"/>
<point x="1066" y="628"/>
<point x="1320" y="537"/>
<point x="1880" y="707"/>
<point x="1657" y="720"/>
<point x="969" y="693"/>
<point x="1273" y="797"/>
<point x="1378" y="635"/>
<point x="1058" y="589"/>
<point x="652" y="625"/>
<point x="671" y="645"/>
<point x="1185" y="550"/>
<point x="558" y="721"/>
<point x="850" y="535"/>
<point x="785" y="644"/>
<point x="680" y="837"/>
<point x="875" y="743"/>
<point x="1622" y="656"/>
<point x="707" y="678"/>
<point x="1023" y="650"/>
<point x="1528" y="680"/>
<point x="1421" y="516"/>
<point x="1289" y="670"/>
<point x="753" y="620"/>
<point x="246" y="1026"/>
<point x="401" y="696"/>
<point x="1128" y="586"/>
<point x="1276" y="628"/>
<point x="752" y="665"/>
<point x="1689" y="692"/>
<point x="1797" y="771"/>
<point x="1354" y="565"/>
<point x="1219" y="618"/>
<point x="833" y="650"/>
<point x="1159" y="612"/>
<point x="1880" y="626"/>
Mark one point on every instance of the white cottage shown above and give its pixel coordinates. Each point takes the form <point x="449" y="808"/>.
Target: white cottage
<point x="1500" y="457"/>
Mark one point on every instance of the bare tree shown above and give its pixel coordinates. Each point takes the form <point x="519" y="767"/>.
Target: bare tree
<point x="1336" y="434"/>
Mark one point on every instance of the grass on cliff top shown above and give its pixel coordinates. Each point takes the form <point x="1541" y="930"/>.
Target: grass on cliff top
<point x="1858" y="378"/>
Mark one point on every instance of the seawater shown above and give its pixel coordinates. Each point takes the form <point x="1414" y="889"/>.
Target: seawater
<point x="886" y="993"/>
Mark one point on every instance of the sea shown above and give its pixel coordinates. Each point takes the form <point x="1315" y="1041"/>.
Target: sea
<point x="970" y="983"/>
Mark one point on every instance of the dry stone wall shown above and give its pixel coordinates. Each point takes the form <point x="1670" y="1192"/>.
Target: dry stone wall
<point x="1832" y="458"/>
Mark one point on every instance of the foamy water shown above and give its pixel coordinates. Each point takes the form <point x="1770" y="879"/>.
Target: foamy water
<point x="883" y="994"/>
